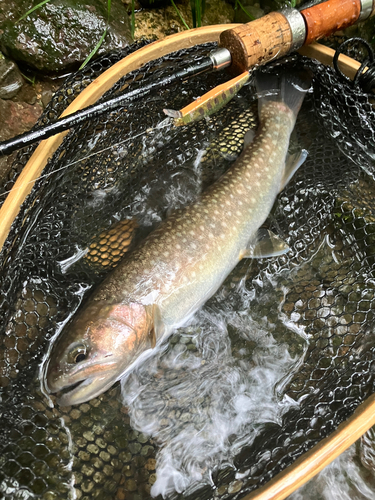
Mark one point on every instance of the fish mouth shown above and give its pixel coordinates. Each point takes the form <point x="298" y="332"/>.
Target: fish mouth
<point x="83" y="384"/>
<point x="84" y="390"/>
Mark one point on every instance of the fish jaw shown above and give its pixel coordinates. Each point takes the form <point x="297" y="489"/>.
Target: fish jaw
<point x="98" y="348"/>
<point x="89" y="386"/>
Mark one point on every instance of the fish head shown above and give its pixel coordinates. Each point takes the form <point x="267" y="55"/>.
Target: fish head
<point x="96" y="349"/>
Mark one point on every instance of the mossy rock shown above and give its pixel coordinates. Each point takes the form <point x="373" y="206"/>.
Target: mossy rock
<point x="62" y="33"/>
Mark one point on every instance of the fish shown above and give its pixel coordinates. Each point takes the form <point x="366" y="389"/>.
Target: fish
<point x="183" y="262"/>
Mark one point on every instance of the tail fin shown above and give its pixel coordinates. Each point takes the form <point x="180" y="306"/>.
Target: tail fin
<point x="288" y="87"/>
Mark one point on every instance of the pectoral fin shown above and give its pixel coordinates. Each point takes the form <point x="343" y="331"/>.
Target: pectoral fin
<point x="292" y="164"/>
<point x="267" y="244"/>
<point x="158" y="328"/>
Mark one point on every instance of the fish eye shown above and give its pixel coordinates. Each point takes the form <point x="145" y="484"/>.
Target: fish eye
<point x="77" y="354"/>
<point x="80" y="357"/>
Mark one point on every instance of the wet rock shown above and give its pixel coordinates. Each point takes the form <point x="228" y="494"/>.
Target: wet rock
<point x="60" y="34"/>
<point x="16" y="118"/>
<point x="10" y="78"/>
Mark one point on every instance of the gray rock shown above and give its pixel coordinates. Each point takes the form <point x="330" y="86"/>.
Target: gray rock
<point x="62" y="33"/>
<point x="10" y="78"/>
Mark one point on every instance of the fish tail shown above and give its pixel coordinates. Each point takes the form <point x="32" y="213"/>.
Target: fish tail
<point x="287" y="87"/>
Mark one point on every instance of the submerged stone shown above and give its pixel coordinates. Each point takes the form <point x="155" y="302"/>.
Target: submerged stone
<point x="61" y="34"/>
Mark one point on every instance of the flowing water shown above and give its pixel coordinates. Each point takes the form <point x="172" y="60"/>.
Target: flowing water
<point x="210" y="391"/>
<point x="346" y="478"/>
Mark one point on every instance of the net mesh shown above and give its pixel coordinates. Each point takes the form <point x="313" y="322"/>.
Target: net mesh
<point x="105" y="188"/>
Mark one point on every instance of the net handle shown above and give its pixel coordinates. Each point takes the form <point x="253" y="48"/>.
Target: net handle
<point x="321" y="455"/>
<point x="326" y="55"/>
<point x="90" y="95"/>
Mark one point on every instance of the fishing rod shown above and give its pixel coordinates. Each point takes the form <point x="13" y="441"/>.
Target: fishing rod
<point x="240" y="49"/>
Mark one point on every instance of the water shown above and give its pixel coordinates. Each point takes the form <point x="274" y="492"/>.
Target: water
<point x="209" y="391"/>
<point x="345" y="478"/>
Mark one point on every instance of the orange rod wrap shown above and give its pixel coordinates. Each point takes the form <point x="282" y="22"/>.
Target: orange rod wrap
<point x="328" y="17"/>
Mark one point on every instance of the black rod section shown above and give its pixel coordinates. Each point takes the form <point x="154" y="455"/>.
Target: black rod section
<point x="95" y="110"/>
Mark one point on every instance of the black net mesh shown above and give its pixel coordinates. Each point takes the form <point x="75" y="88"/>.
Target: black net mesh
<point x="106" y="187"/>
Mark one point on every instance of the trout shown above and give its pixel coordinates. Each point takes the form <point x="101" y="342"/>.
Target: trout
<point x="165" y="280"/>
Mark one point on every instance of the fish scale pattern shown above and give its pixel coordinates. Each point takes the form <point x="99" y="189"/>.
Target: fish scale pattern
<point x="111" y="181"/>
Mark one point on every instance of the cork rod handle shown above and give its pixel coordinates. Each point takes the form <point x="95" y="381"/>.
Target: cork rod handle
<point x="274" y="35"/>
<point x="257" y="42"/>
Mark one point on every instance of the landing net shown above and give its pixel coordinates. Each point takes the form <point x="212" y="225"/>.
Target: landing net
<point x="297" y="330"/>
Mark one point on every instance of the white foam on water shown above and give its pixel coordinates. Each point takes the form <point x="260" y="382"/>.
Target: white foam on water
<point x="203" y="405"/>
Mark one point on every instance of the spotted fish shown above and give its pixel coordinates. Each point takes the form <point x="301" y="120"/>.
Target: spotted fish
<point x="183" y="262"/>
